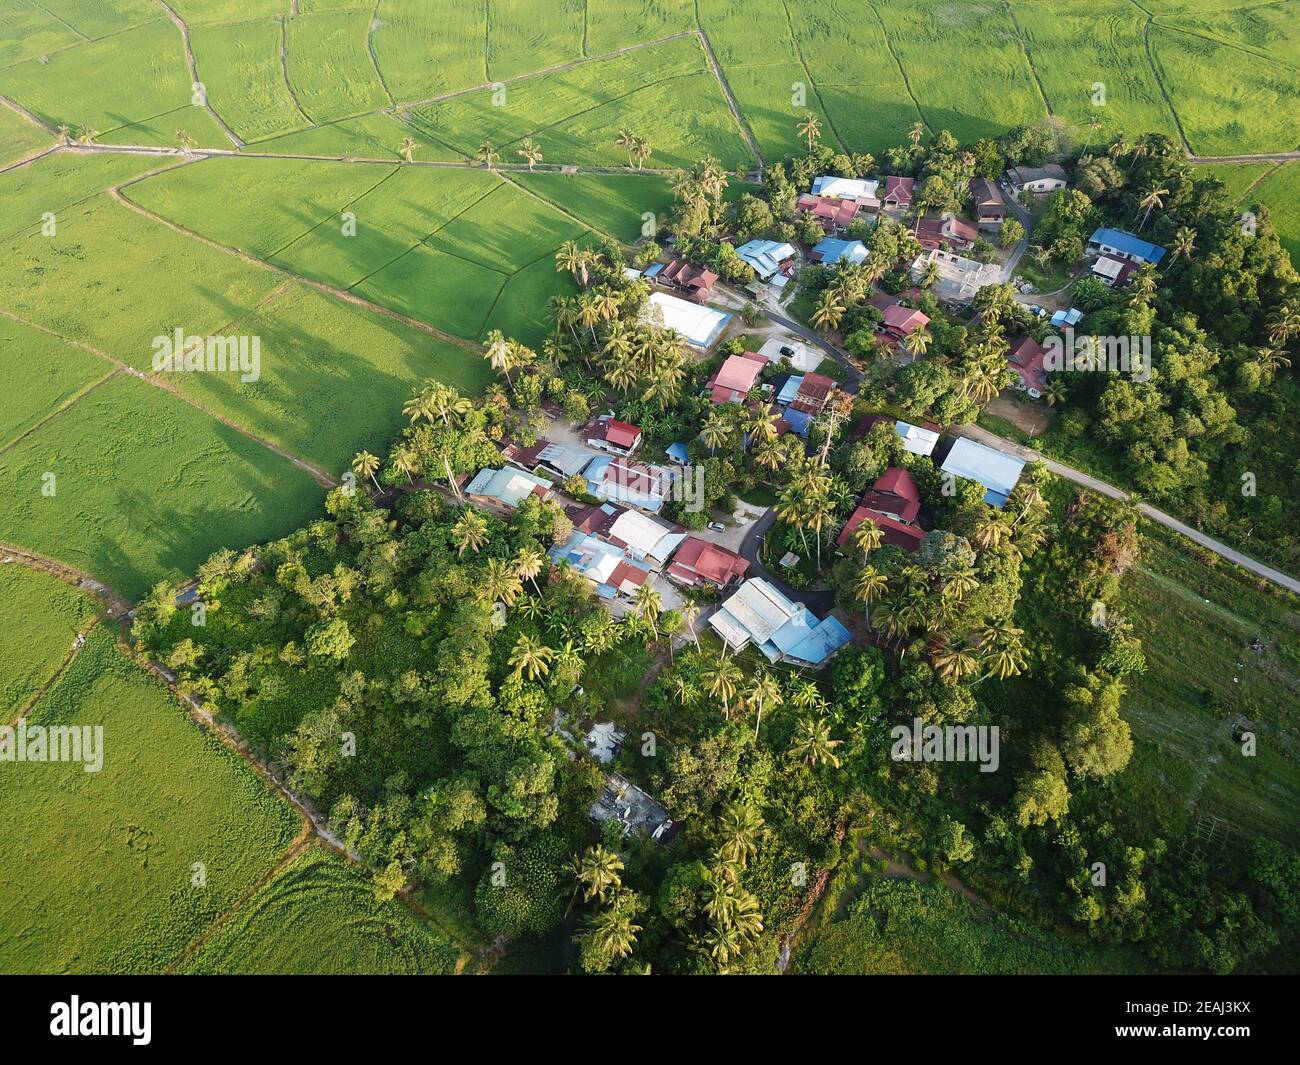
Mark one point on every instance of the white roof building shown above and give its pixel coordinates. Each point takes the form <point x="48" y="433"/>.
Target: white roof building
<point x="784" y="631"/>
<point x="845" y="188"/>
<point x="917" y="440"/>
<point x="997" y="471"/>
<point x="507" y="486"/>
<point x="701" y="326"/>
<point x="645" y="538"/>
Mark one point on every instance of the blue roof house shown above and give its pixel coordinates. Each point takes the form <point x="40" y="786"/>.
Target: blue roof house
<point x="1124" y="245"/>
<point x="833" y="251"/>
<point x="997" y="471"/>
<point x="766" y="256"/>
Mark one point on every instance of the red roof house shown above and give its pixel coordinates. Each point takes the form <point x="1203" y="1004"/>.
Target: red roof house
<point x="610" y="434"/>
<point x="949" y="232"/>
<point x="735" y="377"/>
<point x="832" y="214"/>
<point x="986" y="201"/>
<point x="698" y="562"/>
<point x="696" y="282"/>
<point x="898" y="191"/>
<point x="814" y="392"/>
<point x="1025" y="357"/>
<point x="900" y="320"/>
<point x="892" y="503"/>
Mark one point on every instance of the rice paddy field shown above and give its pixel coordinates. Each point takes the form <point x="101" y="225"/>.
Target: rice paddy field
<point x="320" y="898"/>
<point x="298" y="222"/>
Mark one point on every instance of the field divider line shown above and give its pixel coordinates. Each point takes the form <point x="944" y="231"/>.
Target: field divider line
<point x="193" y="65"/>
<point x="312" y="228"/>
<point x="1236" y="46"/>
<point x="732" y="104"/>
<point x="18" y="164"/>
<point x="284" y="69"/>
<point x="115" y="606"/>
<point x="798" y="51"/>
<point x="81" y="43"/>
<point x="77" y="645"/>
<point x="306" y="836"/>
<point x="374" y="59"/>
<point x="561" y="209"/>
<point x="902" y="70"/>
<point x="31" y="117"/>
<point x="1155" y="73"/>
<point x="59" y="18"/>
<point x="423" y="241"/>
<point x="1029" y="61"/>
<point x="540" y="72"/>
<point x="509" y="277"/>
<point x="66" y="405"/>
<point x="333" y="290"/>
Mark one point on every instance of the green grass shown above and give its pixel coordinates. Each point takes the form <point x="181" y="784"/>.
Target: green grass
<point x="195" y="12"/>
<point x="28" y="30"/>
<point x="506" y="230"/>
<point x="318" y="354"/>
<point x="614" y="24"/>
<point x="520" y="310"/>
<point x="40" y="617"/>
<point x="1230" y="101"/>
<point x="329" y="65"/>
<point x="164" y="131"/>
<point x="527" y="35"/>
<point x="1238" y="177"/>
<point x="129" y="77"/>
<point x="426" y="49"/>
<point x="428" y="284"/>
<point x="903" y="927"/>
<point x="377" y="136"/>
<point x="1280" y="193"/>
<point x="1183" y="745"/>
<point x="98" y="18"/>
<point x="240" y="65"/>
<point x="59" y="181"/>
<point x="43" y="373"/>
<point x="146" y="487"/>
<point x="97" y="868"/>
<point x="319" y="916"/>
<point x="116" y="280"/>
<point x="18" y="137"/>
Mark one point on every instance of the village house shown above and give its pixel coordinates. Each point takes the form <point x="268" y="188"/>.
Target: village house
<point x="699" y="563"/>
<point x="862" y="190"/>
<point x="800" y="398"/>
<point x="898" y="193"/>
<point x="830" y="252"/>
<point x="997" y="471"/>
<point x="771" y="260"/>
<point x="892" y="504"/>
<point x="733" y="380"/>
<point x="949" y="232"/>
<point x="627" y="806"/>
<point x="917" y="439"/>
<point x="987" y="203"/>
<point x="784" y="631"/>
<point x="621" y="480"/>
<point x="1025" y="357"/>
<point x="607" y="433"/>
<point x="900" y="320"/>
<point x="1037" y="179"/>
<point x="646" y="539"/>
<point x="1112" y="272"/>
<point x="696" y="282"/>
<point x="699" y="326"/>
<point x="834" y="216"/>
<point x="1125" y="246"/>
<point x="506" y="487"/>
<point x="607" y="568"/>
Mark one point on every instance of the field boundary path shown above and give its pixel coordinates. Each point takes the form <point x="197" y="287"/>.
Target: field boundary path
<point x="195" y="80"/>
<point x="732" y="105"/>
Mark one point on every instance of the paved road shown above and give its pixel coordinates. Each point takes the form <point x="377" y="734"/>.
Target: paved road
<point x="1022" y="216"/>
<point x="983" y="436"/>
<point x="819" y="602"/>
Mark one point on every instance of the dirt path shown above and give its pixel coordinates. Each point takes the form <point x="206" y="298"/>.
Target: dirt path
<point x="194" y="73"/>
<point x="732" y="105"/>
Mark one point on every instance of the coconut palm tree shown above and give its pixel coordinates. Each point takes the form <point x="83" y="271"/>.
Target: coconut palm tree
<point x="65" y="134"/>
<point x="1001" y="650"/>
<point x="1270" y="360"/>
<point x="715" y="432"/>
<point x="532" y="155"/>
<point x="812" y="743"/>
<point x="407" y="149"/>
<point x="597" y="873"/>
<point x="500" y="354"/>
<point x="1184" y="243"/>
<point x="930" y="275"/>
<point x="88" y="135"/>
<point x="640" y="151"/>
<point x="530" y="656"/>
<point x="690" y="612"/>
<point x="738" y="828"/>
<point x="867" y="537"/>
<point x="1150" y="201"/>
<point x="613" y="932"/>
<point x="1094" y="124"/>
<point x="917" y="342"/>
<point x="955" y="659"/>
<point x="627" y="141"/>
<point x="648" y="605"/>
<point x="574" y="259"/>
<point x="992" y="532"/>
<point x="364" y="465"/>
<point x="1283" y="324"/>
<point x="915" y="134"/>
<point x="810" y="129"/>
<point x="764" y="692"/>
<point x="500" y="582"/>
<point x="404" y="462"/>
<point x="1054" y="393"/>
<point x="870" y="585"/>
<point x="185" y="142"/>
<point x="470" y="532"/>
<point x="529" y="563"/>
<point x="487" y="155"/>
<point x="807" y="696"/>
<point x="722" y="678"/>
<point x="828" y="312"/>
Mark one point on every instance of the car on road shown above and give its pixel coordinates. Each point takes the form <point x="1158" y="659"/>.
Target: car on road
<point x="717" y="526"/>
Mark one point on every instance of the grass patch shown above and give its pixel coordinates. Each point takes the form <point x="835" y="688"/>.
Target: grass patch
<point x="43" y="373"/>
<point x="240" y="64"/>
<point x="40" y="617"/>
<point x="329" y="65"/>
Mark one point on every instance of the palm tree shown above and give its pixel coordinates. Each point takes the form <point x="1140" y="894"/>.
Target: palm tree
<point x="532" y="154"/>
<point x="722" y="679"/>
<point x="828" y="313"/>
<point x="1284" y="324"/>
<point x="530" y="656"/>
<point x="88" y="135"/>
<point x="627" y="141"/>
<point x="1270" y="360"/>
<point x="641" y="151"/>
<point x="916" y="133"/>
<point x="715" y="432"/>
<point x="404" y="462"/>
<point x="364" y="465"/>
<point x="870" y="586"/>
<point x="500" y="354"/>
<point x="528" y="565"/>
<point x="574" y="259"/>
<point x="1184" y="243"/>
<point x="764" y="692"/>
<point x="469" y="532"/>
<point x="1001" y="649"/>
<point x="500" y="582"/>
<point x="647" y="606"/>
<point x="955" y="659"/>
<point x="65" y="134"/>
<point x="407" y="149"/>
<point x="597" y="872"/>
<point x="812" y="743"/>
<point x="930" y="275"/>
<point x="690" y="612"/>
<point x="810" y="129"/>
<point x="807" y="696"/>
<point x="867" y="537"/>
<point x="738" y="827"/>
<point x="992" y="532"/>
<point x="1055" y="392"/>
<point x="917" y="342"/>
<point x="614" y="932"/>
<point x="185" y="142"/>
<point x="487" y="155"/>
<point x="1094" y="124"/>
<point x="1153" y="199"/>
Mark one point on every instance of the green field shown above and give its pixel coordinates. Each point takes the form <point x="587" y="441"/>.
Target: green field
<point x="318" y="354"/>
<point x="321" y="899"/>
<point x="97" y="871"/>
<point x="613" y="205"/>
<point x="40" y="616"/>
<point x="146" y="487"/>
<point x="425" y="49"/>
<point x="44" y="374"/>
<point x="329" y="65"/>
<point x="241" y="64"/>
<point x="18" y="137"/>
<point x="1280" y="193"/>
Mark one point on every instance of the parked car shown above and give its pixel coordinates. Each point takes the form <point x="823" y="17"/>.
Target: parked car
<point x="717" y="526"/>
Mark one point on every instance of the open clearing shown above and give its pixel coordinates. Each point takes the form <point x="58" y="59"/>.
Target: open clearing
<point x="98" y="868"/>
<point x="40" y="617"/>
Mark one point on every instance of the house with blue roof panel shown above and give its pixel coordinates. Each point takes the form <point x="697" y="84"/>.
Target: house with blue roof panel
<point x="1121" y="244"/>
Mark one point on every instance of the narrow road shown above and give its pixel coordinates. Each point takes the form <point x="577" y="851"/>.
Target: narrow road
<point x="1023" y="217"/>
<point x="1268" y="573"/>
<point x="819" y="602"/>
